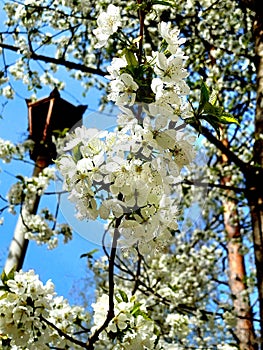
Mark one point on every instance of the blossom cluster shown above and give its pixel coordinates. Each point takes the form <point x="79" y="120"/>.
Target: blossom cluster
<point x="8" y="150"/>
<point x="164" y="71"/>
<point x="108" y="23"/>
<point x="37" y="228"/>
<point x="25" y="191"/>
<point x="131" y="173"/>
<point x="131" y="327"/>
<point x="128" y="174"/>
<point x="26" y="304"/>
<point x="170" y="301"/>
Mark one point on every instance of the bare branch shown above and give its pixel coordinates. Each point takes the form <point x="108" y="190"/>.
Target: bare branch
<point x="58" y="61"/>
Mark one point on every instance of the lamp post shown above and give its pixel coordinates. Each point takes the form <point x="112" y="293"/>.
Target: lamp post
<point x="45" y="116"/>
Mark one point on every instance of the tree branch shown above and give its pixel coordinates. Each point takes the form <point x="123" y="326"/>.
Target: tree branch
<point x="232" y="157"/>
<point x="58" y="61"/>
<point x="213" y="185"/>
<point x="63" y="334"/>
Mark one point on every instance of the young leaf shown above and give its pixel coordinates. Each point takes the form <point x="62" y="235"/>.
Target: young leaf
<point x="89" y="254"/>
<point x="136" y="309"/>
<point x="213" y="110"/>
<point x="228" y="119"/>
<point x="130" y="58"/>
<point x="123" y="296"/>
<point x="205" y="94"/>
<point x="4" y="295"/>
<point x="76" y="153"/>
<point x="10" y="276"/>
<point x="118" y="299"/>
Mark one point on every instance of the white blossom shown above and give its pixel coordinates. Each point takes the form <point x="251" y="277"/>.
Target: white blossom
<point x="171" y="36"/>
<point x="8" y="92"/>
<point x="169" y="69"/>
<point x="26" y="303"/>
<point x="108" y="23"/>
<point x="7" y="150"/>
<point x="123" y="90"/>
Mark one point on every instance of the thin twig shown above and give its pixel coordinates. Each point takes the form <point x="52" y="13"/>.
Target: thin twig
<point x="110" y="314"/>
<point x="136" y="277"/>
<point x="63" y="334"/>
<point x="141" y="18"/>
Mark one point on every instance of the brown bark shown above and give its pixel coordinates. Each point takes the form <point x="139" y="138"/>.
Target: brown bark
<point x="255" y="180"/>
<point x="244" y="329"/>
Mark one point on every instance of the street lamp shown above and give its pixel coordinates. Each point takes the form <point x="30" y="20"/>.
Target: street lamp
<point x="47" y="117"/>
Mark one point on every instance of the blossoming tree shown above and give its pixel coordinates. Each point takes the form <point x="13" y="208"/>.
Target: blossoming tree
<point x="158" y="286"/>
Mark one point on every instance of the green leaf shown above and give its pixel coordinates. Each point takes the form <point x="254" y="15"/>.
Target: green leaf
<point x="123" y="296"/>
<point x="89" y="254"/>
<point x="60" y="133"/>
<point x="213" y="110"/>
<point x="76" y="153"/>
<point x="228" y="119"/>
<point x="135" y="309"/>
<point x="174" y="289"/>
<point x="118" y="299"/>
<point x="205" y="94"/>
<point x="217" y="115"/>
<point x="3" y="277"/>
<point x="10" y="276"/>
<point x="130" y="58"/>
<point x="4" y="295"/>
<point x="207" y="110"/>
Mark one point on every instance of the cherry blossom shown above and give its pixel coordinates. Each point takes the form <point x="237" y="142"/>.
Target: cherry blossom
<point x="26" y="301"/>
<point x="170" y="35"/>
<point x="123" y="90"/>
<point x="108" y="23"/>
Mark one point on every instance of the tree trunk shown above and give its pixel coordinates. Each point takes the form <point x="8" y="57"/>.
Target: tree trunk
<point x="255" y="180"/>
<point x="244" y="329"/>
